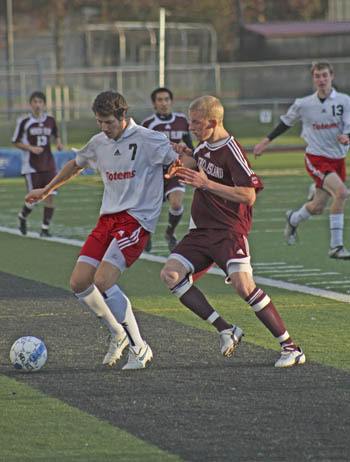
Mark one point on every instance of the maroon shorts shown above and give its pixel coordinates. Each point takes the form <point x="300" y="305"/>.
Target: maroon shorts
<point x="202" y="247"/>
<point x="319" y="166"/>
<point x="127" y="231"/>
<point x="38" y="179"/>
<point x="171" y="185"/>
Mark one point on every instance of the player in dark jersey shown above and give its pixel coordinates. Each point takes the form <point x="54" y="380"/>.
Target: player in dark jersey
<point x="175" y="126"/>
<point x="33" y="135"/>
<point x="221" y="216"/>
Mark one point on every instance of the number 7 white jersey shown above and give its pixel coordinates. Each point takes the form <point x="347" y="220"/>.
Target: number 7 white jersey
<point x="322" y="122"/>
<point x="131" y="168"/>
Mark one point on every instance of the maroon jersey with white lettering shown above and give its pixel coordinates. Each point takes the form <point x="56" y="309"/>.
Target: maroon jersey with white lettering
<point x="224" y="162"/>
<point x="36" y="132"/>
<point x="174" y="126"/>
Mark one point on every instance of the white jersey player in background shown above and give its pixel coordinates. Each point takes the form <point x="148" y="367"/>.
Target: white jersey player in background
<point x="130" y="160"/>
<point x="325" y="118"/>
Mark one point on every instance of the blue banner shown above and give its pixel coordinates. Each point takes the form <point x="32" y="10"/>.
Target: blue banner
<point x="11" y="161"/>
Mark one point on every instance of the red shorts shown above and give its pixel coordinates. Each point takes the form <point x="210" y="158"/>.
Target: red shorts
<point x="319" y="166"/>
<point x="203" y="247"/>
<point x="127" y="231"/>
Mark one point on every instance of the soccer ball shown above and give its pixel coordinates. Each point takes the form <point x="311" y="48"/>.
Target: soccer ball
<point x="28" y="354"/>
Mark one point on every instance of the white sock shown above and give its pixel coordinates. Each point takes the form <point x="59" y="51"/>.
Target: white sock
<point x="299" y="215"/>
<point x="336" y="225"/>
<point x="93" y="299"/>
<point x="120" y="306"/>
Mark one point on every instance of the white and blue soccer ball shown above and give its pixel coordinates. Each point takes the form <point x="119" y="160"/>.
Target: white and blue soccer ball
<point x="28" y="354"/>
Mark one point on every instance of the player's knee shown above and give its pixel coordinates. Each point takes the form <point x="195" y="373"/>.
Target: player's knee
<point x="241" y="279"/>
<point x="315" y="208"/>
<point x="169" y="276"/>
<point x="77" y="285"/>
<point x="342" y="194"/>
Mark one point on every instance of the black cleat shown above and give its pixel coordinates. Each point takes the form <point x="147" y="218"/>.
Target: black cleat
<point x="171" y="239"/>
<point x="45" y="233"/>
<point x="22" y="226"/>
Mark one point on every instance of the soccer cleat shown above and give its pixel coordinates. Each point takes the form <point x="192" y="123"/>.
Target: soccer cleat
<point x="229" y="340"/>
<point x="148" y="247"/>
<point x="340" y="252"/>
<point x="170" y="238"/>
<point x="45" y="233"/>
<point x="115" y="350"/>
<point x="22" y="225"/>
<point x="139" y="360"/>
<point x="290" y="356"/>
<point x="290" y="231"/>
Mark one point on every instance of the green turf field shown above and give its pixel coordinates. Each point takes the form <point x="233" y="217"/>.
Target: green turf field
<point x="310" y="319"/>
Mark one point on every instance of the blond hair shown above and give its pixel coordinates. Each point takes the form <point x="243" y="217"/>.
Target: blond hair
<point x="210" y="107"/>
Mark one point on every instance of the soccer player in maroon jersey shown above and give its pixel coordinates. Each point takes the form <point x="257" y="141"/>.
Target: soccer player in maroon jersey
<point x="175" y="127"/>
<point x="33" y="135"/>
<point x="221" y="216"/>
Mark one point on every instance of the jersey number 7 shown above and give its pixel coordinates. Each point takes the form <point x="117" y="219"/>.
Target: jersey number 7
<point x="133" y="147"/>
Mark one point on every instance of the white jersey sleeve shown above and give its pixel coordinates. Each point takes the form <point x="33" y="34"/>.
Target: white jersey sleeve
<point x="159" y="148"/>
<point x="87" y="156"/>
<point x="293" y="114"/>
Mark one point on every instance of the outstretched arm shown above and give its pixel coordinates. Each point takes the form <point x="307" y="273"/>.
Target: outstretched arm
<point x="260" y="147"/>
<point x="69" y="170"/>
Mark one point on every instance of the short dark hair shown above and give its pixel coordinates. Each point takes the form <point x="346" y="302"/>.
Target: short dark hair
<point x="161" y="90"/>
<point x="37" y="94"/>
<point x="110" y="103"/>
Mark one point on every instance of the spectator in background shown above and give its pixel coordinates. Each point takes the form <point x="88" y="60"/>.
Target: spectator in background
<point x="33" y="135"/>
<point x="175" y="126"/>
<point x="325" y="118"/>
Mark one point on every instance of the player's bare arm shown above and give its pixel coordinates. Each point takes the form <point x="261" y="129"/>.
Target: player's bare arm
<point x="199" y="179"/>
<point x="69" y="170"/>
<point x="59" y="144"/>
<point x="28" y="147"/>
<point x="260" y="147"/>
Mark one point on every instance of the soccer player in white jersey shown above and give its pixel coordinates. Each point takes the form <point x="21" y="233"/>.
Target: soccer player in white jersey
<point x="130" y="160"/>
<point x="325" y="118"/>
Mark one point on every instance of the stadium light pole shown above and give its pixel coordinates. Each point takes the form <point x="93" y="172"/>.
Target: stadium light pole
<point x="161" y="47"/>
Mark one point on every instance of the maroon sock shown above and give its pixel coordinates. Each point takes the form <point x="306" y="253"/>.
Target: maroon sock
<point x="266" y="312"/>
<point x="25" y="211"/>
<point x="198" y="304"/>
<point x="47" y="216"/>
<point x="173" y="222"/>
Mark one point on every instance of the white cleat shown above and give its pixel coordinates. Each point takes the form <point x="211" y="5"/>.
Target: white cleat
<point x="340" y="252"/>
<point x="290" y="357"/>
<point x="229" y="340"/>
<point x="290" y="231"/>
<point x="115" y="350"/>
<point x="139" y="360"/>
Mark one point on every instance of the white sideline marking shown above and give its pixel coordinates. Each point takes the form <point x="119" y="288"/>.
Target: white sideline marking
<point x="329" y="294"/>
